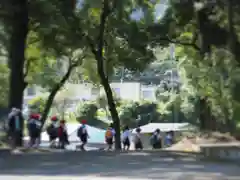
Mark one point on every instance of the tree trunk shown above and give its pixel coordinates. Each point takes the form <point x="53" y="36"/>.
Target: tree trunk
<point x="112" y="107"/>
<point x="98" y="52"/>
<point x="53" y="93"/>
<point x="205" y="48"/>
<point x="232" y="36"/>
<point x="19" y="31"/>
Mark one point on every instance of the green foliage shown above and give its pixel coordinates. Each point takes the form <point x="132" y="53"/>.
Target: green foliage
<point x="134" y="114"/>
<point x="37" y="104"/>
<point x="102" y="100"/>
<point x="88" y="111"/>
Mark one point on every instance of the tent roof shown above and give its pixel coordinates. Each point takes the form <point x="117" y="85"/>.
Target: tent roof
<point x="164" y="127"/>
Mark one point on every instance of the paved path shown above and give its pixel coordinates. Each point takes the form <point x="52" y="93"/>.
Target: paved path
<point x="113" y="166"/>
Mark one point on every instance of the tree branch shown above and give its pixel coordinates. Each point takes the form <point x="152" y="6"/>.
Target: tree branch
<point x="78" y="61"/>
<point x="190" y="44"/>
<point x="91" y="44"/>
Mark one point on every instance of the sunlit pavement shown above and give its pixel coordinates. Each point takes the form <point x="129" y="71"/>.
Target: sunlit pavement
<point x="113" y="166"/>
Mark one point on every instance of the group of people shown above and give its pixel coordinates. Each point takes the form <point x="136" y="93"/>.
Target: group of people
<point x="58" y="135"/>
<point x="156" y="139"/>
<point x="57" y="132"/>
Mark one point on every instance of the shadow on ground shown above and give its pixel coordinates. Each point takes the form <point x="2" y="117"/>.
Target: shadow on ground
<point x="140" y="165"/>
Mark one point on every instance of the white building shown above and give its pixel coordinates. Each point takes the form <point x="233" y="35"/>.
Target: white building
<point x="129" y="91"/>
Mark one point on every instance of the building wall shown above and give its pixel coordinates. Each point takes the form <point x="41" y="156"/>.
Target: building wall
<point x="129" y="91"/>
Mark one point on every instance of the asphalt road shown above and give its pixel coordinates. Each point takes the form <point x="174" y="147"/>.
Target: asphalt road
<point x="113" y="166"/>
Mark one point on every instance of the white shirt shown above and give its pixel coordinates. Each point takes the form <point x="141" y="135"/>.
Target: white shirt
<point x="126" y="134"/>
<point x="137" y="138"/>
<point x="158" y="135"/>
<point x="113" y="132"/>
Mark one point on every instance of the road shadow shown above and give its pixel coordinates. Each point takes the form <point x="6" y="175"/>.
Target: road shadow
<point x="139" y="165"/>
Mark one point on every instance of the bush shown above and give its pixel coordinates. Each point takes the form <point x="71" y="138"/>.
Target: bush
<point x="134" y="114"/>
<point x="88" y="111"/>
<point x="37" y="104"/>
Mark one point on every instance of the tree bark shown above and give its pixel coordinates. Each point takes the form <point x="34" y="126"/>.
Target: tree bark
<point x="111" y="105"/>
<point x="101" y="72"/>
<point x="53" y="93"/>
<point x="205" y="48"/>
<point x="19" y="30"/>
<point x="232" y="36"/>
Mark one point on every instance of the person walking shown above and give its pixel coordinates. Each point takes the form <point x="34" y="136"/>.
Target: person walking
<point x="82" y="134"/>
<point x="109" y="136"/>
<point x="62" y="135"/>
<point x="52" y="131"/>
<point x="34" y="130"/>
<point x="126" y="138"/>
<point x="137" y="140"/>
<point x="156" y="139"/>
<point x="15" y="125"/>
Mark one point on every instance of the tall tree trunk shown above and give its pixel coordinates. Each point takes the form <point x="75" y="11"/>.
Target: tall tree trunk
<point x="205" y="48"/>
<point x="111" y="105"/>
<point x="19" y="31"/>
<point x="53" y="93"/>
<point x="232" y="44"/>
<point x="232" y="36"/>
<point x="18" y="36"/>
<point x="98" y="52"/>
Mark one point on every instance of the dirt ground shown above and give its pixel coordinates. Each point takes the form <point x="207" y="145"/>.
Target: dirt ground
<point x="192" y="142"/>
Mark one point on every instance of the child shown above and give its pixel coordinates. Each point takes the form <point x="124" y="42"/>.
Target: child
<point x="15" y="126"/>
<point x="109" y="135"/>
<point x="156" y="139"/>
<point x="62" y="135"/>
<point x="34" y="129"/>
<point x="82" y="133"/>
<point x="169" y="139"/>
<point x="126" y="138"/>
<point x="52" y="131"/>
<point x="137" y="140"/>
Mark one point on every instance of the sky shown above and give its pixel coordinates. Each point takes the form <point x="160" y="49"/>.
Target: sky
<point x="159" y="10"/>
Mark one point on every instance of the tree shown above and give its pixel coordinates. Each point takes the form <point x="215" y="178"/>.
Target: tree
<point x="103" y="103"/>
<point x="18" y="22"/>
<point x="113" y="46"/>
<point x="15" y="21"/>
<point x="195" y="27"/>
<point x="60" y="53"/>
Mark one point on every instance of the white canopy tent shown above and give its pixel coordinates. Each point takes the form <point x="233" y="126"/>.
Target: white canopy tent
<point x="164" y="127"/>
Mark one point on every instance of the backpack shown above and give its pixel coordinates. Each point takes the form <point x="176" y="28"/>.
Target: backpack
<point x="80" y="132"/>
<point x="154" y="139"/>
<point x="51" y="130"/>
<point x="32" y="126"/>
<point x="109" y="134"/>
